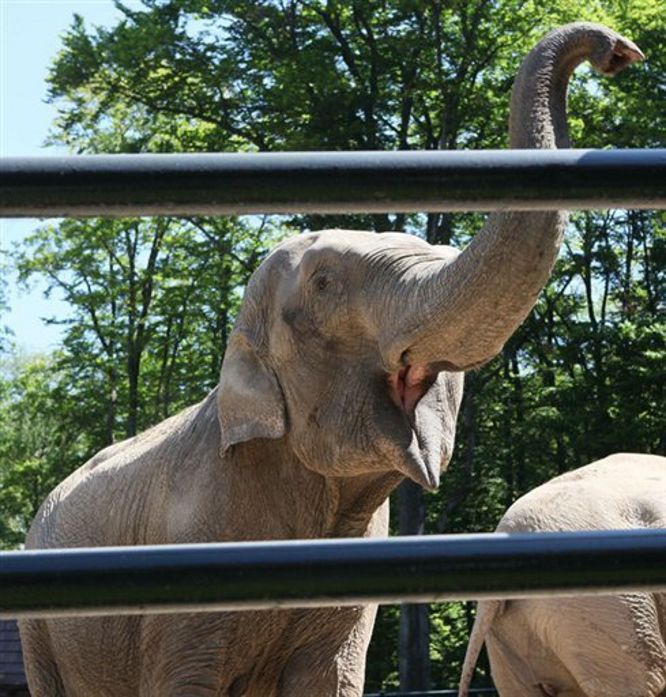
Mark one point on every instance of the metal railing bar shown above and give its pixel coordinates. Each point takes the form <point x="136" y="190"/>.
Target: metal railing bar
<point x="331" y="182"/>
<point x="271" y="575"/>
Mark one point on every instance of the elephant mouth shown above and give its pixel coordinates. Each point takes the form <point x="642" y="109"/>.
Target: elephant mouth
<point x="408" y="385"/>
<point x="412" y="390"/>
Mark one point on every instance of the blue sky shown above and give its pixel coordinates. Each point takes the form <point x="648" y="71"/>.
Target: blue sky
<point x="30" y="32"/>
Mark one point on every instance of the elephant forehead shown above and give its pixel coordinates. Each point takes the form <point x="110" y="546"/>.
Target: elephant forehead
<point x="359" y="259"/>
<point x="350" y="242"/>
<point x="347" y="247"/>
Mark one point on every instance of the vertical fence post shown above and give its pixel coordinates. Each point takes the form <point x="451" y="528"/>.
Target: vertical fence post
<point x="414" y="635"/>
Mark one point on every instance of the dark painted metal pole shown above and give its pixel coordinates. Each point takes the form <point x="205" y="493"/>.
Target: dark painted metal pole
<point x="269" y="575"/>
<point x="213" y="184"/>
<point x="414" y="631"/>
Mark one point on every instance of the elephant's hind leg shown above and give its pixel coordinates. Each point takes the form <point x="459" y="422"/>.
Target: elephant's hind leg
<point x="40" y="667"/>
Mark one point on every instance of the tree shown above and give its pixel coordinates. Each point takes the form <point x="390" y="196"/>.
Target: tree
<point x="152" y="303"/>
<point x="41" y="440"/>
<point x="5" y="332"/>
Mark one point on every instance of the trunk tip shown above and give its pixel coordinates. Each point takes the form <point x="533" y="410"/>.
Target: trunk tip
<point x="610" y="52"/>
<point x="623" y="54"/>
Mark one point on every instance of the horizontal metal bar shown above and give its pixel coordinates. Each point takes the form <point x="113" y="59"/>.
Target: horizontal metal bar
<point x="269" y="575"/>
<point x="331" y="182"/>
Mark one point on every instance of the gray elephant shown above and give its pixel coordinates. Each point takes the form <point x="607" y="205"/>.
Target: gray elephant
<point x="588" y="646"/>
<point x="343" y="375"/>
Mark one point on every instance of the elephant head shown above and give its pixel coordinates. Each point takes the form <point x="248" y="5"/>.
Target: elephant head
<point x="352" y="345"/>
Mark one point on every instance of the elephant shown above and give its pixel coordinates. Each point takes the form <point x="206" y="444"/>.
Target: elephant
<point x="586" y="646"/>
<point x="342" y="376"/>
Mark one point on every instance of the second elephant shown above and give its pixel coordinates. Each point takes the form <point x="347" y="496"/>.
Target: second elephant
<point x="592" y="646"/>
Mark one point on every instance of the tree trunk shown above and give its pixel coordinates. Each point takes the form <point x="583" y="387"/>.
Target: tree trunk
<point x="414" y="638"/>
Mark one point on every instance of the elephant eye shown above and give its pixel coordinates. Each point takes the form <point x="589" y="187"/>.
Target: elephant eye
<point x="322" y="282"/>
<point x="548" y="689"/>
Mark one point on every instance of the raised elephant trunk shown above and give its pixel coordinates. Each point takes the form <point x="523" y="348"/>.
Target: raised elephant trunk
<point x="468" y="309"/>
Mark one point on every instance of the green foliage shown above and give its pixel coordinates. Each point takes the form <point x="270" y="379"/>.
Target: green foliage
<point x="41" y="439"/>
<point x="382" y="669"/>
<point x="152" y="300"/>
<point x="5" y="332"/>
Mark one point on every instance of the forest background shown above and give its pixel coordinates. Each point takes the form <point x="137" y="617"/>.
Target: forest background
<point x="152" y="301"/>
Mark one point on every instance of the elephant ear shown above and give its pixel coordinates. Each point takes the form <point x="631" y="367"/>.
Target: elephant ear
<point x="250" y="403"/>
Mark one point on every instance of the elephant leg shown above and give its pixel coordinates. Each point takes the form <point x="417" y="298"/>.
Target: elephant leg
<point x="332" y="671"/>
<point x="192" y="655"/>
<point x="196" y="681"/>
<point x="330" y="667"/>
<point x="306" y="674"/>
<point x="41" y="670"/>
<point x="352" y="656"/>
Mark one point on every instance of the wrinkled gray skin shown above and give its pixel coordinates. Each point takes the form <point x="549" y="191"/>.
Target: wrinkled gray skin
<point x="594" y="646"/>
<point x="343" y="376"/>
